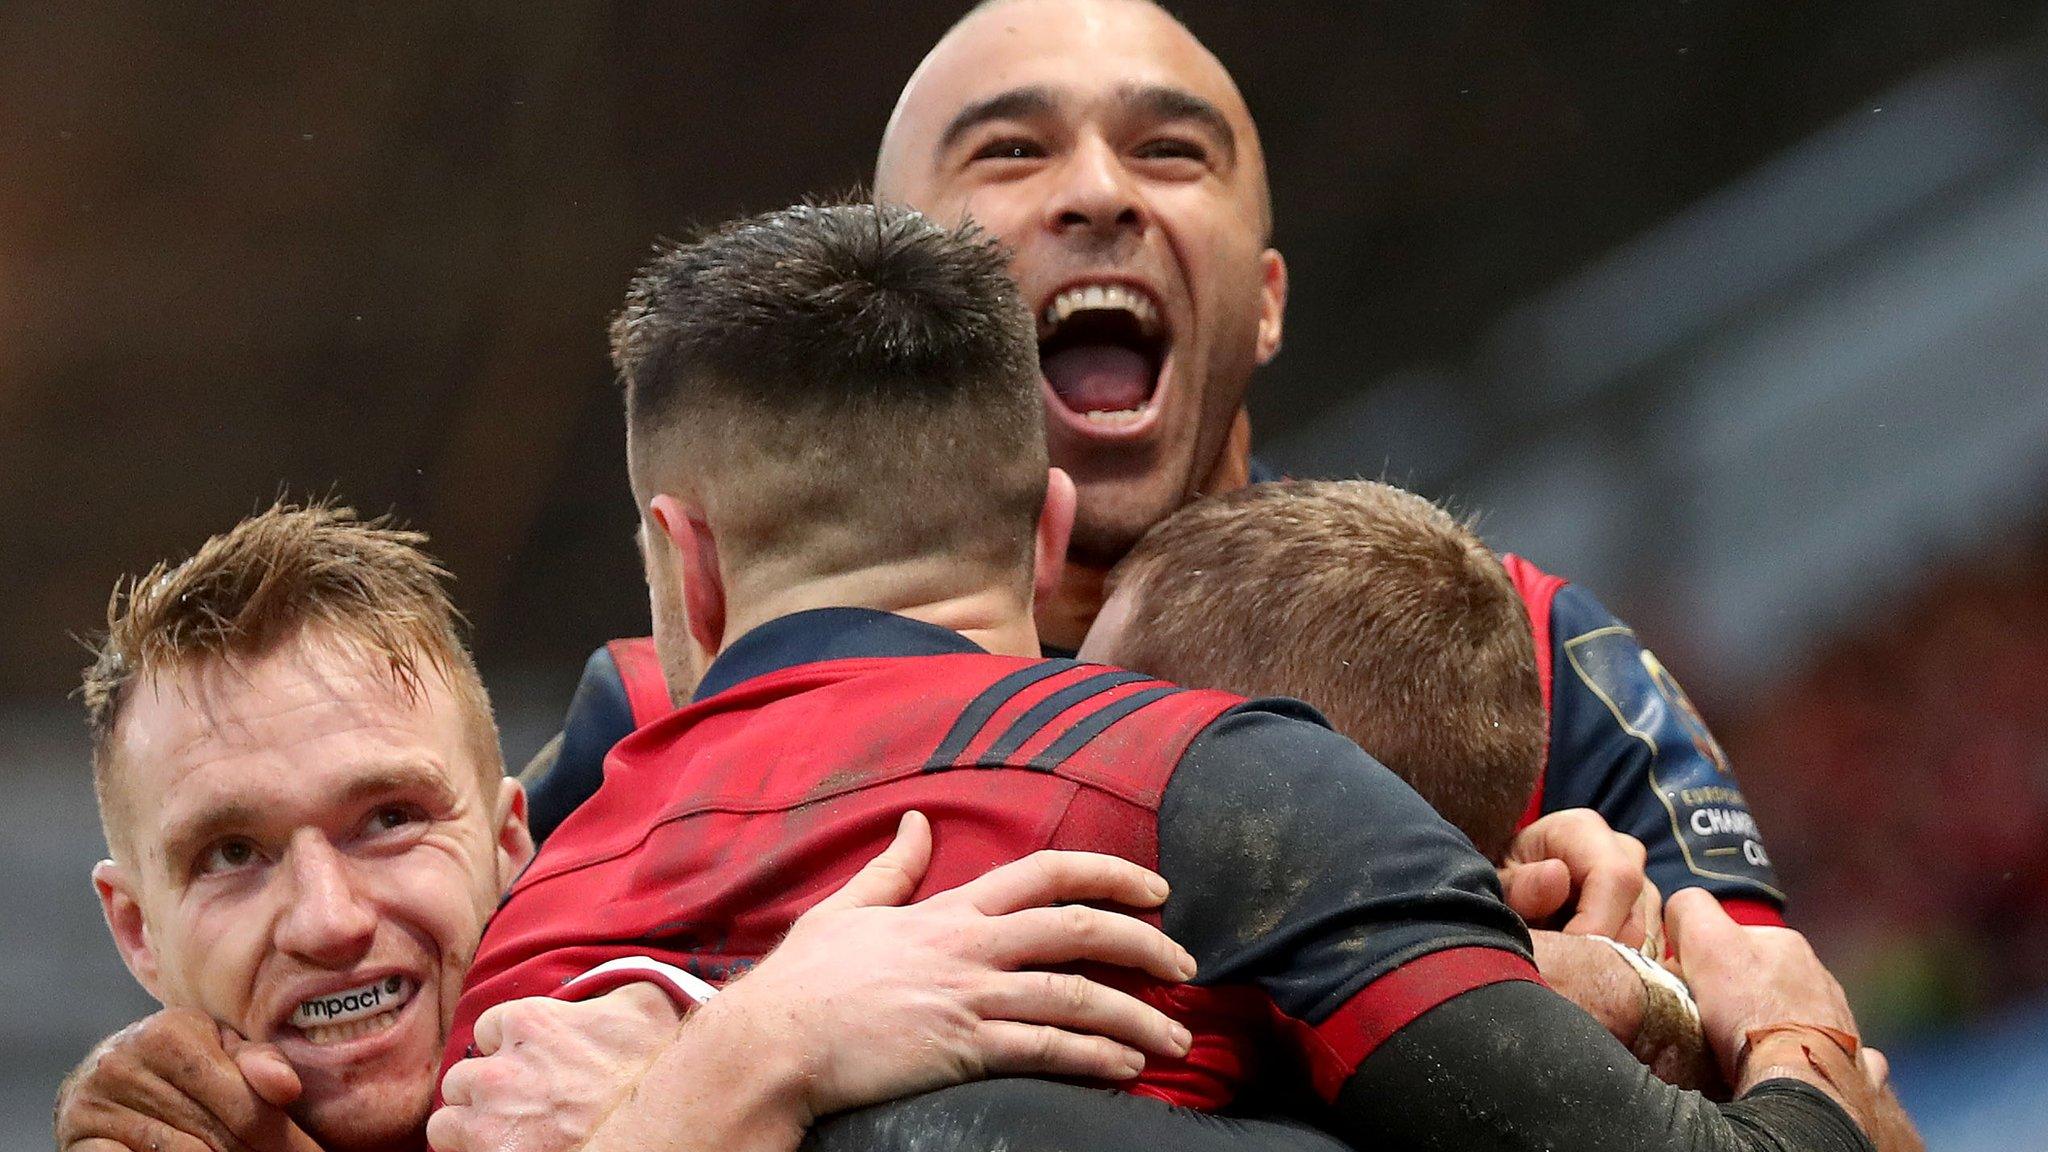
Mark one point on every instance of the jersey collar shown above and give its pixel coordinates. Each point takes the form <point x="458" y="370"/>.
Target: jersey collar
<point x="826" y="634"/>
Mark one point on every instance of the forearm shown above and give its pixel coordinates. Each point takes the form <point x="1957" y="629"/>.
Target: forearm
<point x="1653" y="1021"/>
<point x="1587" y="972"/>
<point x="1512" y="1066"/>
<point x="725" y="1084"/>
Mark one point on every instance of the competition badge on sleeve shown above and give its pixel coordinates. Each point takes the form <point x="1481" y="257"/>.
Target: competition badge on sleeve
<point x="1709" y="817"/>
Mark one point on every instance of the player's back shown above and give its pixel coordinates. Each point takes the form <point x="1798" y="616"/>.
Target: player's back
<point x="719" y="825"/>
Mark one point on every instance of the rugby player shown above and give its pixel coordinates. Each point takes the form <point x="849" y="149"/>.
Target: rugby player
<point x="299" y="781"/>
<point x="1114" y="156"/>
<point x="833" y="429"/>
<point x="1402" y="628"/>
<point x="1398" y="624"/>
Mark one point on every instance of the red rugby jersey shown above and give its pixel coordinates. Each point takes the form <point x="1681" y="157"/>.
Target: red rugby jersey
<point x="1326" y="904"/>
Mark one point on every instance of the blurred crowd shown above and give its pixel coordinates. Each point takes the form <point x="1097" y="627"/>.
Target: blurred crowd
<point x="1901" y="779"/>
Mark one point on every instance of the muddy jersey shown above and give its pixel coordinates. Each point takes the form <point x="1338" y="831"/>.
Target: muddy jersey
<point x="1624" y="740"/>
<point x="1326" y="904"/>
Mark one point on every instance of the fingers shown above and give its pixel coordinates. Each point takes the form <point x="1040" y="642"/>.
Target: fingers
<point x="1056" y="877"/>
<point x="458" y="1085"/>
<point x="269" y="1074"/>
<point x="449" y="1129"/>
<point x="1605" y="869"/>
<point x="169" y="1079"/>
<point x="1012" y="1049"/>
<point x="1537" y="890"/>
<point x="1077" y="1004"/>
<point x="488" y="1034"/>
<point x="1611" y="881"/>
<point x="1036" y="937"/>
<point x="509" y="1020"/>
<point x="1646" y="922"/>
<point x="1700" y="929"/>
<point x="891" y="877"/>
<point x="146" y="1136"/>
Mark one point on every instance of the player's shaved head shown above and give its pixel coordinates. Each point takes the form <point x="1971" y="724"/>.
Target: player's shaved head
<point x="965" y="74"/>
<point x="1107" y="150"/>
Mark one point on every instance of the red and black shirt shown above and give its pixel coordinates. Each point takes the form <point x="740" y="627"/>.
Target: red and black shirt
<point x="1326" y="904"/>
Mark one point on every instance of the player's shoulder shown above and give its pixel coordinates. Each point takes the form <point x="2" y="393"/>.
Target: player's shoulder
<point x="1279" y="747"/>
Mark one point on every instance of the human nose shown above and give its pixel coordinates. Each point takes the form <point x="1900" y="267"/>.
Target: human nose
<point x="326" y="920"/>
<point x="1096" y="194"/>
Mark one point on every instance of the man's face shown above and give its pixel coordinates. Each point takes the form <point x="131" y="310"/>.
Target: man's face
<point x="309" y="858"/>
<point x="1113" y="155"/>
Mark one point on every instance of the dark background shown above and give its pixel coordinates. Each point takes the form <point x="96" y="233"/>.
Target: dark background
<point x="371" y="248"/>
<point x="1724" y="308"/>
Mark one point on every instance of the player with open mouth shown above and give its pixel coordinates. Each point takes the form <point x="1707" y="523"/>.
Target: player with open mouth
<point x="1103" y="349"/>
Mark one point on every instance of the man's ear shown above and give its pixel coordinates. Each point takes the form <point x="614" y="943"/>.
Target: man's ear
<point x="1055" y="526"/>
<point x="515" y="839"/>
<point x="124" y="919"/>
<point x="697" y="556"/>
<point x="1272" y="304"/>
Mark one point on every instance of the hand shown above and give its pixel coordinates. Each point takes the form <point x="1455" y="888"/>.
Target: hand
<point x="1745" y="978"/>
<point x="1571" y="855"/>
<point x="178" y="1082"/>
<point x="549" y="1071"/>
<point x="875" y="1001"/>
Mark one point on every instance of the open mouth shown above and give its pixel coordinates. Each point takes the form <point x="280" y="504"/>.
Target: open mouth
<point x="352" y="1013"/>
<point x="1101" y="348"/>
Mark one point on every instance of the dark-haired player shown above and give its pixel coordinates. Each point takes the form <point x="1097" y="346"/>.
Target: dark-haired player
<point x="834" y="431"/>
<point x="1113" y="155"/>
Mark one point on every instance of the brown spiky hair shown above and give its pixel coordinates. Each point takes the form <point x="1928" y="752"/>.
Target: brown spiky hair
<point x="1381" y="609"/>
<point x="264" y="582"/>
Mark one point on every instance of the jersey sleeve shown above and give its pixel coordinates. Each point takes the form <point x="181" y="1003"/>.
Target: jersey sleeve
<point x="1303" y="868"/>
<point x="1626" y="742"/>
<point x="600" y="715"/>
<point x="1512" y="1066"/>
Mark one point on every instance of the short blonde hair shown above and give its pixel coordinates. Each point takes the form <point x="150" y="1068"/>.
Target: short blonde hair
<point x="262" y="583"/>
<point x="1371" y="603"/>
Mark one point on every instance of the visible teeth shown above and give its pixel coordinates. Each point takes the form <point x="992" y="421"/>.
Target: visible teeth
<point x="1102" y="298"/>
<point x="1119" y="416"/>
<point x="345" y="1008"/>
<point x="325" y="1034"/>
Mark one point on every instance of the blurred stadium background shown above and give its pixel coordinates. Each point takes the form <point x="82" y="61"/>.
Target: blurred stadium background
<point x="1736" y="313"/>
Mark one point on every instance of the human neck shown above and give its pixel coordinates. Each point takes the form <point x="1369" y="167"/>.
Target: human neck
<point x="994" y="616"/>
<point x="1065" y="617"/>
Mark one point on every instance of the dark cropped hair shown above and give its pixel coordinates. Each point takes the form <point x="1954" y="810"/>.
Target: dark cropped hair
<point x="854" y="381"/>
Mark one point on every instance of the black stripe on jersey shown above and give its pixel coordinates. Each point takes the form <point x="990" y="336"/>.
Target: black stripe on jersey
<point x="979" y="710"/>
<point x="1081" y="733"/>
<point x="1032" y="722"/>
